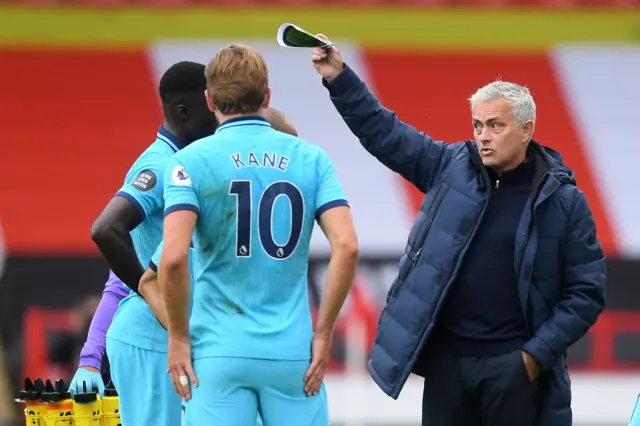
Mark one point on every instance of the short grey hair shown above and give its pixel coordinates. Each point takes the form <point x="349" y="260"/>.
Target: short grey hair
<point x="522" y="103"/>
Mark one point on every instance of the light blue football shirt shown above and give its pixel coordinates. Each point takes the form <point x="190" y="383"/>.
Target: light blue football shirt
<point x="257" y="193"/>
<point x="134" y="323"/>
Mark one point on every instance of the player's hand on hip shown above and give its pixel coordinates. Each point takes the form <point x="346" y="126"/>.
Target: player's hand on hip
<point x="320" y="357"/>
<point x="180" y="367"/>
<point x="328" y="62"/>
<point x="86" y="379"/>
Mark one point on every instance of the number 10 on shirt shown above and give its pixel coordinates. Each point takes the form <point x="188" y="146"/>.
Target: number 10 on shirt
<point x="266" y="222"/>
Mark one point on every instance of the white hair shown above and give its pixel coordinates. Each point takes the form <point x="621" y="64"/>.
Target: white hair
<point x="522" y="104"/>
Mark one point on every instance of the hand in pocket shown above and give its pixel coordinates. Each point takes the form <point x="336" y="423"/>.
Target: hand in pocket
<point x="531" y="365"/>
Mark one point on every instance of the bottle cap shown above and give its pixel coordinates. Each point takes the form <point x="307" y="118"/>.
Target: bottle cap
<point x="61" y="388"/>
<point x="50" y="394"/>
<point x="86" y="397"/>
<point x="32" y="391"/>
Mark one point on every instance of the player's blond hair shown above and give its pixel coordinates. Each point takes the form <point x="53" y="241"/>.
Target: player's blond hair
<point x="238" y="79"/>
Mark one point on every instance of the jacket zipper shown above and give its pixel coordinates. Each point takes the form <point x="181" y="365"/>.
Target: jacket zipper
<point x="423" y="326"/>
<point x="533" y="215"/>
<point x="421" y="239"/>
<point x="476" y="159"/>
<point x="536" y="194"/>
<point x="419" y="252"/>
<point x="415" y="258"/>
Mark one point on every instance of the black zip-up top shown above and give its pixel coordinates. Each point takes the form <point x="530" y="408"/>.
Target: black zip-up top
<point x="481" y="315"/>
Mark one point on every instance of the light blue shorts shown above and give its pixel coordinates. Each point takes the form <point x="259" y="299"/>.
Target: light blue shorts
<point x="146" y="394"/>
<point x="232" y="391"/>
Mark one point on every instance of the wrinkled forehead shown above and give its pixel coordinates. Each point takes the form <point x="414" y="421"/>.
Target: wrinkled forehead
<point x="494" y="110"/>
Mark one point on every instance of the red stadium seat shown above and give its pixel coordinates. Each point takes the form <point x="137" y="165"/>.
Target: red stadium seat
<point x="559" y="4"/>
<point x="40" y="2"/>
<point x="358" y="2"/>
<point x="163" y="3"/>
<point x="299" y="2"/>
<point x="486" y="3"/>
<point x="227" y="2"/>
<point x="428" y="3"/>
<point x="556" y="4"/>
<point x="100" y="2"/>
<point x="612" y="3"/>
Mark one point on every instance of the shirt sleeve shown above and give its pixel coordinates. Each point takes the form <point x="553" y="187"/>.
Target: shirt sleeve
<point x="143" y="187"/>
<point x="93" y="349"/>
<point x="330" y="193"/>
<point x="155" y="259"/>
<point x="179" y="192"/>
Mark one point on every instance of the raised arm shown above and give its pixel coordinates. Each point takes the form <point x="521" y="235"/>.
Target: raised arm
<point x="396" y="144"/>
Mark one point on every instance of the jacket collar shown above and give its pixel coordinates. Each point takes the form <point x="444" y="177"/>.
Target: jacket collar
<point x="546" y="161"/>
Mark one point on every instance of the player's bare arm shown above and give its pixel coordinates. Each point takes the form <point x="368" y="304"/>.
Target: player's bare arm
<point x="337" y="225"/>
<point x="173" y="270"/>
<point x="150" y="289"/>
<point x="110" y="232"/>
<point x="173" y="273"/>
<point x="279" y="121"/>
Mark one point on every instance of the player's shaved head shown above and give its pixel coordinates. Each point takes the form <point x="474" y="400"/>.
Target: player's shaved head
<point x="181" y="90"/>
<point x="182" y="78"/>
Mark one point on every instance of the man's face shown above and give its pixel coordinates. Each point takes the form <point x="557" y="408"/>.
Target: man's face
<point x="501" y="142"/>
<point x="202" y="122"/>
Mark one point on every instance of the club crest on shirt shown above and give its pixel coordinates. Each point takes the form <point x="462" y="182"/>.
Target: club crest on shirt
<point x="179" y="176"/>
<point x="145" y="181"/>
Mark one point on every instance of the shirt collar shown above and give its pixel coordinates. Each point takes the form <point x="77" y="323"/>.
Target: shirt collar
<point x="520" y="175"/>
<point x="167" y="137"/>
<point x="245" y="120"/>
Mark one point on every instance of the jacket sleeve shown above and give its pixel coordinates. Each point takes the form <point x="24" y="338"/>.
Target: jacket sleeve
<point x="397" y="145"/>
<point x="584" y="277"/>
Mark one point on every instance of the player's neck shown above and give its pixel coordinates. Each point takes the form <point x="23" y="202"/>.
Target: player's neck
<point x="222" y="118"/>
<point x="173" y="130"/>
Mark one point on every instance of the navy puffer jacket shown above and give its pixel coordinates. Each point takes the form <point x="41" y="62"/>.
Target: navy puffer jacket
<point x="559" y="262"/>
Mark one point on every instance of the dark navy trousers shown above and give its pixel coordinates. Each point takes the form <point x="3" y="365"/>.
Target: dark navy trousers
<point x="485" y="391"/>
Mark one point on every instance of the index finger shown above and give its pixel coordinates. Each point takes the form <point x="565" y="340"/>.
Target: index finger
<point x="176" y="385"/>
<point x="192" y="375"/>
<point x="178" y="374"/>
<point x="314" y="383"/>
<point x="311" y="370"/>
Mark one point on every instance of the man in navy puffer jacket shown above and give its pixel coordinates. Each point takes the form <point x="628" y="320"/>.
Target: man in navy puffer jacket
<point x="502" y="272"/>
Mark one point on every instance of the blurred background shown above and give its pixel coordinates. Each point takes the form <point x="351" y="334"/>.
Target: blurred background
<point x="78" y="104"/>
